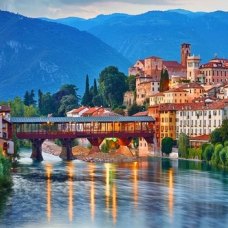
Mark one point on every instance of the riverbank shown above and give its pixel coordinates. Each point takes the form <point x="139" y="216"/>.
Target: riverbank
<point x="84" y="154"/>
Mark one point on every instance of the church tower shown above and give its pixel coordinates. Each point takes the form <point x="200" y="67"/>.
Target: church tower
<point x="185" y="52"/>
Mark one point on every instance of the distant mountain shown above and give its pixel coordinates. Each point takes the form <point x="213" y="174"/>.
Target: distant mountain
<point x="36" y="54"/>
<point x="160" y="33"/>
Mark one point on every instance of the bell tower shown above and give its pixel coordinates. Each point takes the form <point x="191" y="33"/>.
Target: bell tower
<point x="185" y="52"/>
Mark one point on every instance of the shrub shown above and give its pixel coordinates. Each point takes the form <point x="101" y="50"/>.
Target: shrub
<point x="195" y="153"/>
<point x="225" y="143"/>
<point x="5" y="176"/>
<point x="207" y="154"/>
<point x="222" y="156"/>
<point x="167" y="145"/>
<point x="183" y="145"/>
<point x="215" y="159"/>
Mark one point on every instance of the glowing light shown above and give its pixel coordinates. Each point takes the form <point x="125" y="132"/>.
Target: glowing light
<point x="49" y="190"/>
<point x="107" y="186"/>
<point x="114" y="203"/>
<point x="70" y="170"/>
<point x="135" y="183"/>
<point x="170" y="193"/>
<point x="92" y="191"/>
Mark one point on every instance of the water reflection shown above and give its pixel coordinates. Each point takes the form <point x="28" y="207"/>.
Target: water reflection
<point x="92" y="190"/>
<point x="135" y="183"/>
<point x="110" y="186"/>
<point x="48" y="168"/>
<point x="170" y="173"/>
<point x="70" y="172"/>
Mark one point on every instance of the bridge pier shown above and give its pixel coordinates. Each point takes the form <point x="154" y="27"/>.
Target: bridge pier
<point x="37" y="149"/>
<point x="95" y="142"/>
<point x="66" y="153"/>
<point x="124" y="145"/>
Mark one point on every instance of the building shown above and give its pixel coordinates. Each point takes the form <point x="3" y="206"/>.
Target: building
<point x="185" y="52"/>
<point x="215" y="71"/>
<point x="193" y="64"/>
<point x="200" y="118"/>
<point x="129" y="98"/>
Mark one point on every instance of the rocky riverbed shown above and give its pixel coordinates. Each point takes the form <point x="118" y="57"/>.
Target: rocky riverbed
<point x="84" y="154"/>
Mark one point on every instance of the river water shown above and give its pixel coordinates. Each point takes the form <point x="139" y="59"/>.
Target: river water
<point x="153" y="193"/>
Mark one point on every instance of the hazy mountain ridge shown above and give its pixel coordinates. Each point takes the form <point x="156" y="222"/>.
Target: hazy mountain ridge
<point x="39" y="54"/>
<point x="161" y="33"/>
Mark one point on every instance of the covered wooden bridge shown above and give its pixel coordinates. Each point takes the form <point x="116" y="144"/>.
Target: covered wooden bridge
<point x="95" y="129"/>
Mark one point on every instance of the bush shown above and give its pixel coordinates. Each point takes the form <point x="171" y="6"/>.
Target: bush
<point x="207" y="154"/>
<point x="183" y="145"/>
<point x="195" y="153"/>
<point x="222" y="156"/>
<point x="5" y="176"/>
<point x="167" y="145"/>
<point x="225" y="143"/>
<point x="104" y="148"/>
<point x="215" y="159"/>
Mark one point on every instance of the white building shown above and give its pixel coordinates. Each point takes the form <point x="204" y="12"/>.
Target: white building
<point x="201" y="118"/>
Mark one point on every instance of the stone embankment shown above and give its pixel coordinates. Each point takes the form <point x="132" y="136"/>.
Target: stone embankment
<point x="84" y="154"/>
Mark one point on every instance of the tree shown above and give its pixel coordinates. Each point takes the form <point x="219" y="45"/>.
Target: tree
<point x="131" y="81"/>
<point x="30" y="111"/>
<point x="17" y="107"/>
<point x="164" y="81"/>
<point x="87" y="99"/>
<point x="95" y="91"/>
<point x="208" y="152"/>
<point x="215" y="156"/>
<point x="40" y="96"/>
<point x="112" y="86"/>
<point x="67" y="89"/>
<point x="134" y="109"/>
<point x="215" y="136"/>
<point x="26" y="98"/>
<point x="47" y="104"/>
<point x="183" y="145"/>
<point x="67" y="103"/>
<point x="224" y="130"/>
<point x="167" y="145"/>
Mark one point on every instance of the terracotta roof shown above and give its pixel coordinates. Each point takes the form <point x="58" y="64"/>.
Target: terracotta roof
<point x="200" y="138"/>
<point x="175" y="90"/>
<point x="4" y="108"/>
<point x="158" y="94"/>
<point x="145" y="113"/>
<point x="77" y="110"/>
<point x="108" y="113"/>
<point x="192" y="85"/>
<point x="90" y="111"/>
<point x="216" y="63"/>
<point x="172" y="64"/>
<point x="194" y="106"/>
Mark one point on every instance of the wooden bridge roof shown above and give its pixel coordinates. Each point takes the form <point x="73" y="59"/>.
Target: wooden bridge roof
<point x="101" y="119"/>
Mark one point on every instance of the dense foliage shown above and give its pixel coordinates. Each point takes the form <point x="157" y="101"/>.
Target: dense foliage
<point x="164" y="81"/>
<point x="183" y="145"/>
<point x="5" y="166"/>
<point x="167" y="145"/>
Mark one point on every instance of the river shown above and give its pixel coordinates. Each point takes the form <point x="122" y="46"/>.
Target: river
<point x="153" y="193"/>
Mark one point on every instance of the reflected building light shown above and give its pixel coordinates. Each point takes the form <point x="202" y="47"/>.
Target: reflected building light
<point x="170" y="193"/>
<point x="48" y="168"/>
<point x="114" y="203"/>
<point x="92" y="191"/>
<point x="135" y="183"/>
<point x="107" y="186"/>
<point x="70" y="171"/>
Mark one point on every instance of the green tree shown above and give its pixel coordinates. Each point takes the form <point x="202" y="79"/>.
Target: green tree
<point x="26" y="98"/>
<point x="112" y="86"/>
<point x="87" y="99"/>
<point x="131" y="81"/>
<point x="215" y="159"/>
<point x="67" y="103"/>
<point x="222" y="156"/>
<point x="215" y="136"/>
<point x="67" y="89"/>
<point x="183" y="145"/>
<point x="134" y="109"/>
<point x="167" y="145"/>
<point x="47" y="106"/>
<point x="224" y="130"/>
<point x="95" y="90"/>
<point x="17" y="107"/>
<point x="164" y="81"/>
<point x="30" y="111"/>
<point x="208" y="152"/>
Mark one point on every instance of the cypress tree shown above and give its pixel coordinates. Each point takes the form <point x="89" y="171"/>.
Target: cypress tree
<point x="40" y="97"/>
<point x="86" y="96"/>
<point x="164" y="81"/>
<point x="26" y="98"/>
<point x="95" y="91"/>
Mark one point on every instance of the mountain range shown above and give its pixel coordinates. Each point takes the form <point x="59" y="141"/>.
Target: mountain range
<point x="159" y="33"/>
<point x="36" y="54"/>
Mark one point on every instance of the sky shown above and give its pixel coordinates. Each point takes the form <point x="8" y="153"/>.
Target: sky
<point x="92" y="8"/>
